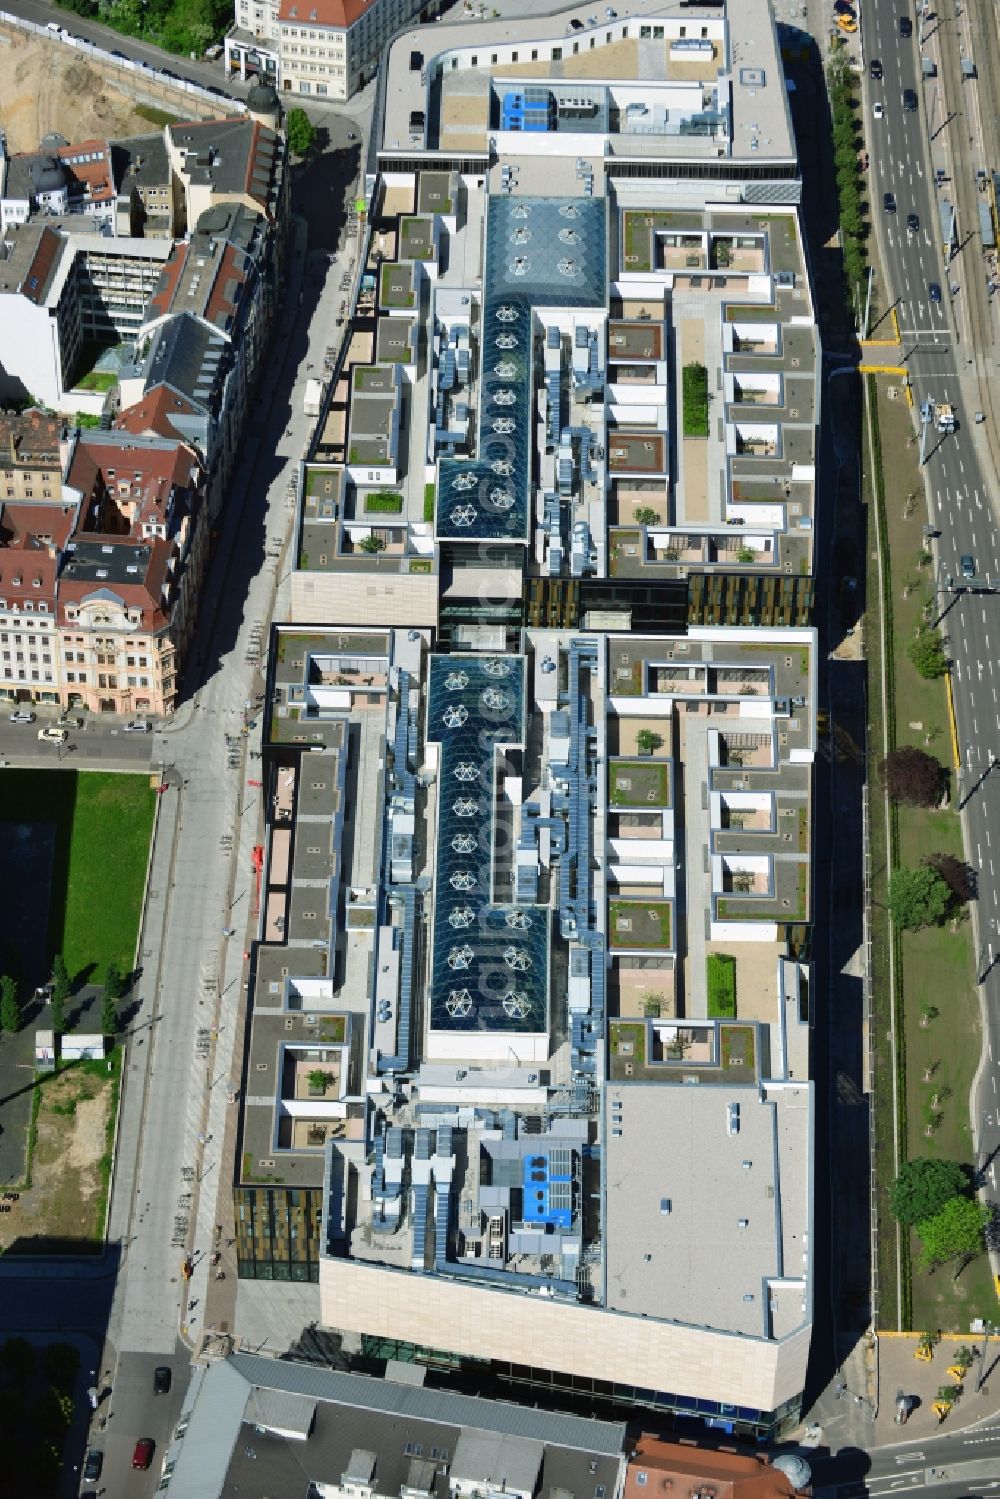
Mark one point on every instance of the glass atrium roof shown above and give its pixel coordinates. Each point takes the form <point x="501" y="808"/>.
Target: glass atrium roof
<point x="489" y="968"/>
<point x="540" y="252"/>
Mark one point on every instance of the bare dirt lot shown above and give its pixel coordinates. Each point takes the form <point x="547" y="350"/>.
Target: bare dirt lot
<point x="45" y="85"/>
<point x="64" y="1202"/>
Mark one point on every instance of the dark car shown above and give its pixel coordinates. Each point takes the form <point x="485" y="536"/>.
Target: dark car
<point x="116" y="53"/>
<point x="934" y="291"/>
<point x="143" y="1454"/>
<point x="575" y="25"/>
<point x="968" y="566"/>
<point x="889" y="202"/>
<point x="909" y="99"/>
<point x="875" y="70"/>
<point x="905" y="26"/>
<point x="92" y="1467"/>
<point x="161" y="1380"/>
<point x="913" y="223"/>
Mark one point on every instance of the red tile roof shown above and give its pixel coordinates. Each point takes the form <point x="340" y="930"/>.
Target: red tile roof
<point x="146" y="594"/>
<point x="43" y="262"/>
<point x="153" y="413"/>
<point x="668" y="1470"/>
<point x="128" y="484"/>
<point x="93" y="176"/>
<point x="166" y="287"/>
<point x="21" y="525"/>
<point x="337" y="13"/>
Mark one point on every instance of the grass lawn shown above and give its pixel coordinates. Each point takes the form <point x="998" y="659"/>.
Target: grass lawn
<point x="640" y="783"/>
<point x="103" y="824"/>
<point x="639" y="923"/>
<point x="634" y="1038"/>
<point x="937" y="963"/>
<point x="101" y="380"/>
<point x="737" y="1047"/>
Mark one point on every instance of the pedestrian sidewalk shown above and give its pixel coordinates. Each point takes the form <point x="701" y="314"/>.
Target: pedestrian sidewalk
<point x="900" y="1372"/>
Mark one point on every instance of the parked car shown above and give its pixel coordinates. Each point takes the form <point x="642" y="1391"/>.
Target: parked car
<point x="909" y="100"/>
<point x="875" y="70"/>
<point x="889" y="202"/>
<point x="575" y="25"/>
<point x="878" y="109"/>
<point x="52" y="735"/>
<point x="138" y="726"/>
<point x="161" y="1380"/>
<point x="22" y="716"/>
<point x="905" y="26"/>
<point x="934" y="291"/>
<point x="93" y="1466"/>
<point x="143" y="1454"/>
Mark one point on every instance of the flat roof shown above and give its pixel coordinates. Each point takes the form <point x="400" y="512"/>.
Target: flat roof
<point x="678" y="1191"/>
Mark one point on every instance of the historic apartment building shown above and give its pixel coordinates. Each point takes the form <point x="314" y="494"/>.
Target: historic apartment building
<point x="324" y="49"/>
<point x="103" y="542"/>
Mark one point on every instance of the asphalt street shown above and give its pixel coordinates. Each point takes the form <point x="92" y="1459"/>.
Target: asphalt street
<point x="950" y="350"/>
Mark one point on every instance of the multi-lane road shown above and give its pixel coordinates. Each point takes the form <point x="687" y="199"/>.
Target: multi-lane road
<point x="950" y="351"/>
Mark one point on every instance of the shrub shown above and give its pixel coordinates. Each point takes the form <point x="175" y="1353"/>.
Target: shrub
<point x="721" y="972"/>
<point x="429" y="503"/>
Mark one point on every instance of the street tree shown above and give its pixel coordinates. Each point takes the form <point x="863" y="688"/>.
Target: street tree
<point x="912" y="776"/>
<point x="300" y="132"/>
<point x="923" y="1187"/>
<point x="918" y="898"/>
<point x="10" y="1005"/>
<point x="926" y="653"/>
<point x="957" y="875"/>
<point x="109" y="1015"/>
<point x="60" y="978"/>
<point x="18" y="1359"/>
<point x="60" y="1362"/>
<point x="114" y="981"/>
<point x="61" y="990"/>
<point x="957" y="1230"/>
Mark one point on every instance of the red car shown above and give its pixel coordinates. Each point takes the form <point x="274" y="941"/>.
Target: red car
<point x="143" y="1454"/>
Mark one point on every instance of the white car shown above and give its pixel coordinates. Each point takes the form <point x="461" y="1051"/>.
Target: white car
<point x="878" y="111"/>
<point x="138" y="726"/>
<point x="53" y="735"/>
<point x="22" y="716"/>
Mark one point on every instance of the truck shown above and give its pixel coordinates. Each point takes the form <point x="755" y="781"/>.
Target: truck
<point x="312" y="401"/>
<point x="944" y="416"/>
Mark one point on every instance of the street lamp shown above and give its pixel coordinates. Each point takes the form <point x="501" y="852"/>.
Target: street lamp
<point x="988" y="1330"/>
